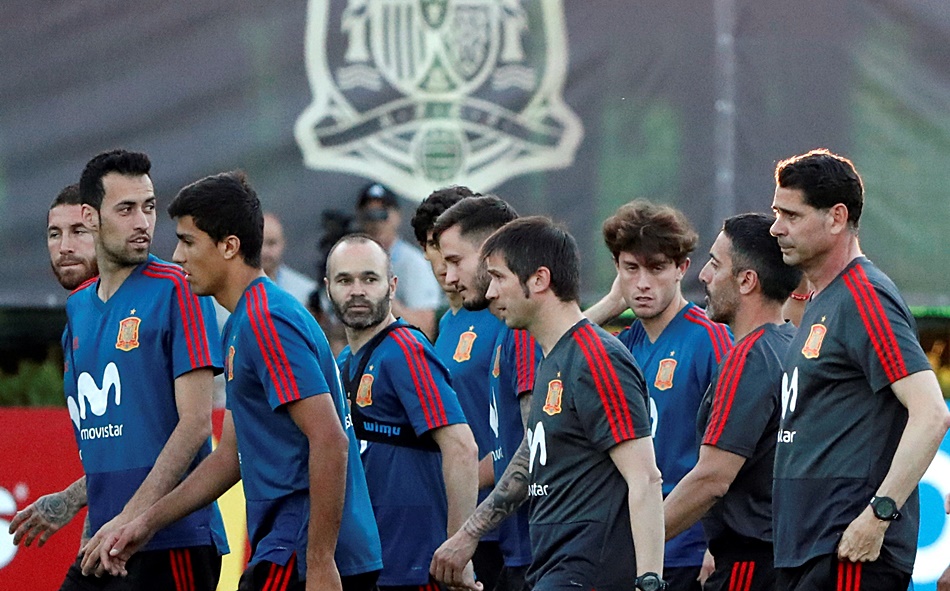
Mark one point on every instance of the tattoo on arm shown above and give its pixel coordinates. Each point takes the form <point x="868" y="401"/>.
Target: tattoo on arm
<point x="59" y="508"/>
<point x="510" y="492"/>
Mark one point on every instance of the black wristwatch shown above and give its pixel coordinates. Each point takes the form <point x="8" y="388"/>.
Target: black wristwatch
<point x="650" y="582"/>
<point x="885" y="508"/>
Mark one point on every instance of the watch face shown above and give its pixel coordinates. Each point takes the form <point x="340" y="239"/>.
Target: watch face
<point x="649" y="583"/>
<point x="884" y="508"/>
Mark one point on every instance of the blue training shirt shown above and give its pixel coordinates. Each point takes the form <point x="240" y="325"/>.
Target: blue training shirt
<point x="405" y="387"/>
<point x="678" y="368"/>
<point x="276" y="354"/>
<point x="121" y="360"/>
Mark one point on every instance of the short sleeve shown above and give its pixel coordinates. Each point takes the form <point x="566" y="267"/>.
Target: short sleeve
<point x="881" y="333"/>
<point x="195" y="340"/>
<point x="422" y="382"/>
<point x="521" y="354"/>
<point x="743" y="400"/>
<point x="279" y="351"/>
<point x="610" y="396"/>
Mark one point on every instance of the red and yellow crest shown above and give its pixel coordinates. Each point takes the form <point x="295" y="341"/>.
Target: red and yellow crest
<point x="552" y="402"/>
<point x="463" y="351"/>
<point x="813" y="342"/>
<point x="664" y="374"/>
<point x="128" y="338"/>
<point x="230" y="363"/>
<point x="364" y="394"/>
<point x="496" y="369"/>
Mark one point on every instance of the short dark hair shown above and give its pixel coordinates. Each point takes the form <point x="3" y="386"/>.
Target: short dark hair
<point x="68" y="196"/>
<point x="645" y="229"/>
<point x="529" y="243"/>
<point x="360" y="238"/>
<point x="477" y="217"/>
<point x="825" y="179"/>
<point x="224" y="205"/>
<point x="754" y="248"/>
<point x="433" y="206"/>
<point x="123" y="162"/>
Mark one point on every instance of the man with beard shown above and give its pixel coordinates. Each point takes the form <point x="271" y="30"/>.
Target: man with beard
<point x="286" y="432"/>
<point x="497" y="392"/>
<point x="72" y="255"/>
<point x="420" y="457"/>
<point x="674" y="342"/>
<point x="140" y="363"/>
<point x="864" y="416"/>
<point x="730" y="488"/>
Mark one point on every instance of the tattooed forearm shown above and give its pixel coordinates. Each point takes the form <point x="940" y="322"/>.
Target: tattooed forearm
<point x="505" y="498"/>
<point x="59" y="508"/>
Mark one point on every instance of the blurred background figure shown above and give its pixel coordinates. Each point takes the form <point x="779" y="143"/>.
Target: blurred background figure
<point x="272" y="260"/>
<point x="419" y="294"/>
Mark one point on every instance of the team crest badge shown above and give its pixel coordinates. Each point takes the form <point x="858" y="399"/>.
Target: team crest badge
<point x="664" y="374"/>
<point x="552" y="402"/>
<point x="230" y="363"/>
<point x="813" y="342"/>
<point x="496" y="368"/>
<point x="364" y="394"/>
<point x="463" y="351"/>
<point x="424" y="93"/>
<point x="128" y="338"/>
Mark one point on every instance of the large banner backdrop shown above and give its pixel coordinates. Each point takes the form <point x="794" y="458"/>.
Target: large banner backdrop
<point x="563" y="107"/>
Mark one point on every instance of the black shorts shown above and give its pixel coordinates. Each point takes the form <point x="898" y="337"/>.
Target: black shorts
<point x="268" y="576"/>
<point x="682" y="578"/>
<point x="432" y="585"/>
<point x="512" y="578"/>
<point x="180" y="569"/>
<point x="488" y="562"/>
<point x="826" y="573"/>
<point x="742" y="565"/>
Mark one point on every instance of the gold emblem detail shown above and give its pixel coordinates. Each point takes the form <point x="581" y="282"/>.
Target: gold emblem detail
<point x="364" y="394"/>
<point x="463" y="351"/>
<point x="128" y="338"/>
<point x="552" y="402"/>
<point x="813" y="342"/>
<point x="664" y="374"/>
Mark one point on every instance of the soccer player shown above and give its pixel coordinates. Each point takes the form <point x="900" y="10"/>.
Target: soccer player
<point x="72" y="255"/>
<point x="862" y="412"/>
<point x="465" y="346"/>
<point x="730" y="487"/>
<point x="420" y="457"/>
<point x="586" y="462"/>
<point x="510" y="362"/>
<point x="138" y="383"/>
<point x="287" y="431"/>
<point x="677" y="346"/>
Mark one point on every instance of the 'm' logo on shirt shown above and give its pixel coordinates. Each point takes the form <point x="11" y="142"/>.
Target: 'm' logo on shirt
<point x="813" y="342"/>
<point x="463" y="351"/>
<point x="364" y="394"/>
<point x="128" y="337"/>
<point x="552" y="402"/>
<point x="664" y="374"/>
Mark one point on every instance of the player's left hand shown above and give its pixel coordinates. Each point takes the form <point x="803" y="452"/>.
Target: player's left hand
<point x="709" y="565"/>
<point x="452" y="561"/>
<point x="863" y="538"/>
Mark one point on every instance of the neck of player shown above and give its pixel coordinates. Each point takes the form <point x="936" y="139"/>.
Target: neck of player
<point x="234" y="286"/>
<point x="656" y="325"/>
<point x="357" y="337"/>
<point x="553" y="322"/>
<point x="827" y="267"/>
<point x="753" y="313"/>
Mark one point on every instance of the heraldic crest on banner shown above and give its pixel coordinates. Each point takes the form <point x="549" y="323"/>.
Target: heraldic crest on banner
<point x="421" y="94"/>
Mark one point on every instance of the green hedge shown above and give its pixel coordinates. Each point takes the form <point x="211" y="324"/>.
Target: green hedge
<point x="34" y="384"/>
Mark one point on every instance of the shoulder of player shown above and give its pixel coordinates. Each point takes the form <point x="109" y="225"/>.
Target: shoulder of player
<point x="752" y="346"/>
<point x="167" y="275"/>
<point x="866" y="285"/>
<point x="706" y="332"/>
<point x="403" y="341"/>
<point x="597" y="347"/>
<point x="84" y="286"/>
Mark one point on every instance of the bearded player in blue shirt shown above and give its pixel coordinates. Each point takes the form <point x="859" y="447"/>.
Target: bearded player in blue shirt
<point x="287" y="432"/>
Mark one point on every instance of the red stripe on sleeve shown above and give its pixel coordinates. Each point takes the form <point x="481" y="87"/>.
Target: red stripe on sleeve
<point x="279" y="354"/>
<point x="877" y="324"/>
<point x="727" y="386"/>
<point x="186" y="320"/>
<point x="255" y="314"/>
<point x="717" y="332"/>
<point x="607" y="384"/>
<point x="426" y="390"/>
<point x="525" y="342"/>
<point x="194" y="305"/>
